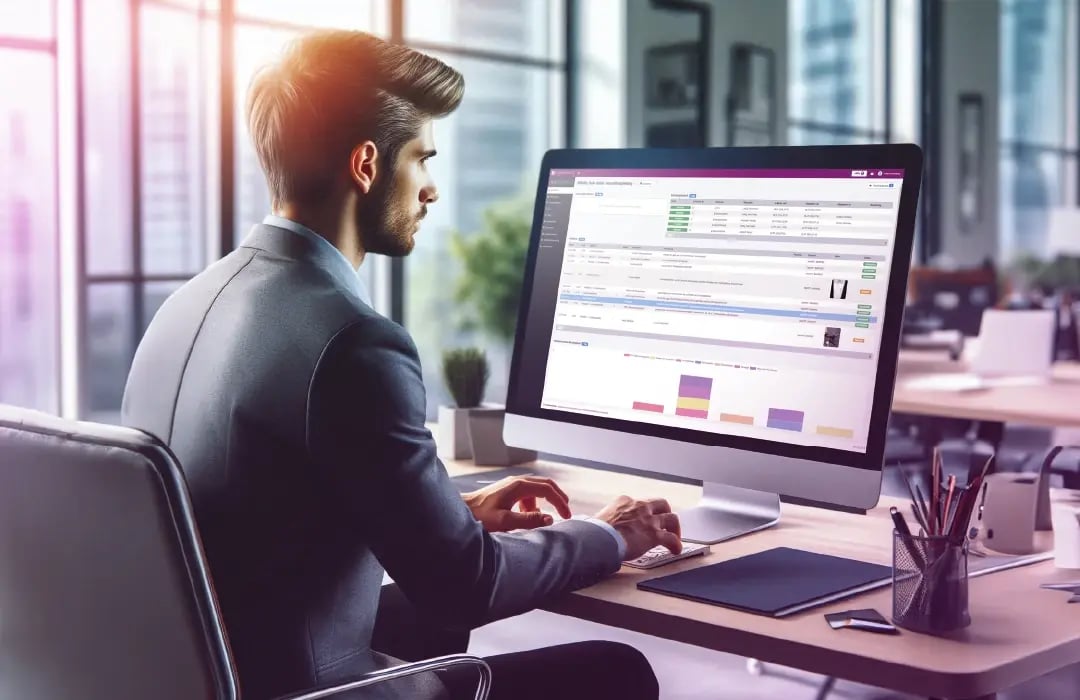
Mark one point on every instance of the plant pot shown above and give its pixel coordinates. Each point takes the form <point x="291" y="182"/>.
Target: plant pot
<point x="454" y="441"/>
<point x="488" y="448"/>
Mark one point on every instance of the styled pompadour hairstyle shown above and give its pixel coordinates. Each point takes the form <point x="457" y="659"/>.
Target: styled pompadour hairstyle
<point x="333" y="89"/>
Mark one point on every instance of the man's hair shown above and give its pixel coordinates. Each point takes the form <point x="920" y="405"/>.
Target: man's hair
<point x="333" y="89"/>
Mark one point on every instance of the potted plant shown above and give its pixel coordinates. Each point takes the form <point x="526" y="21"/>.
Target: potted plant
<point x="466" y="372"/>
<point x="488" y="292"/>
<point x="493" y="266"/>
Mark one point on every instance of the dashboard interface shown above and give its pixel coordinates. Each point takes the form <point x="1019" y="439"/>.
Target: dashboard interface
<point x="740" y="302"/>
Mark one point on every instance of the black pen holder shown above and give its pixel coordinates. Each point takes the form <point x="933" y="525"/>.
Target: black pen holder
<point x="930" y="584"/>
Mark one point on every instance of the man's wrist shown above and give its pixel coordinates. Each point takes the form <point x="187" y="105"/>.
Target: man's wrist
<point x="619" y="541"/>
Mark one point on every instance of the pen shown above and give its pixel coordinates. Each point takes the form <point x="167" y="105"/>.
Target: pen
<point x="918" y="519"/>
<point x="923" y="508"/>
<point x="914" y="502"/>
<point x="905" y="536"/>
<point x="935" y="491"/>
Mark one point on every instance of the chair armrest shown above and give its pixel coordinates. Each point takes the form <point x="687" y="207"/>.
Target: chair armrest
<point x="437" y="664"/>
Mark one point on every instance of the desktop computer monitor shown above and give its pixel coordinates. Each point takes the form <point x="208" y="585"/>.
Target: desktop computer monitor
<point x="730" y="315"/>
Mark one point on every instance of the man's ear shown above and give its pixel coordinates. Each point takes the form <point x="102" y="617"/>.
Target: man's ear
<point x="363" y="165"/>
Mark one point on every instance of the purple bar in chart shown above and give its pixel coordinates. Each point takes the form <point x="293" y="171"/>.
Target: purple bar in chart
<point x="694" y="387"/>
<point x="785" y="419"/>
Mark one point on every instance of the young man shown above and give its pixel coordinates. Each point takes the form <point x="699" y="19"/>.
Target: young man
<point x="298" y="412"/>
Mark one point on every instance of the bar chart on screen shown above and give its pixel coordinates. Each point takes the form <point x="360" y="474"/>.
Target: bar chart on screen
<point x="694" y="393"/>
<point x="772" y="396"/>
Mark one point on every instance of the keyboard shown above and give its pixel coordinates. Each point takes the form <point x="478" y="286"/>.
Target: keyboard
<point x="658" y="556"/>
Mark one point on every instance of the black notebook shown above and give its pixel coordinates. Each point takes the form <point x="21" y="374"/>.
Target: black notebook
<point x="776" y="582"/>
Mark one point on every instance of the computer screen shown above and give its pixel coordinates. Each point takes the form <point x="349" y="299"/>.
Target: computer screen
<point x="741" y="302"/>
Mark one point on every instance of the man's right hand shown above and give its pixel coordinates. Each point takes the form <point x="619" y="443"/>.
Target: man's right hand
<point x="643" y="524"/>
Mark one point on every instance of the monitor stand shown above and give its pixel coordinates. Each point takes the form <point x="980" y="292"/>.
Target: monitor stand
<point x="727" y="512"/>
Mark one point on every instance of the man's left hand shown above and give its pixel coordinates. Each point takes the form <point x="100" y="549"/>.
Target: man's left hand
<point x="494" y="505"/>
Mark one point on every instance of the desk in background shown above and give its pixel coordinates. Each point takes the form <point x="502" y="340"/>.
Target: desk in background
<point x="1055" y="404"/>
<point x="1018" y="631"/>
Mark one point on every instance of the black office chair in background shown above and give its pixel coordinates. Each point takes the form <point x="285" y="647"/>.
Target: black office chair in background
<point x="104" y="588"/>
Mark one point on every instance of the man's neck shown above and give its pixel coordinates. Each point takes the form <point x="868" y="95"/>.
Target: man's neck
<point x="337" y="227"/>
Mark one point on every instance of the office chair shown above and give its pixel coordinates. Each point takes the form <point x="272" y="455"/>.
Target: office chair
<point x="104" y="588"/>
<point x="950" y="299"/>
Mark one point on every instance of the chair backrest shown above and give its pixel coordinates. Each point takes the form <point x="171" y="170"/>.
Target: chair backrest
<point x="104" y="591"/>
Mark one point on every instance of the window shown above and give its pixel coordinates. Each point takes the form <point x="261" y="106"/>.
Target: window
<point x="150" y="173"/>
<point x="489" y="155"/>
<point x="1039" y="154"/>
<point x="174" y="74"/>
<point x="29" y="282"/>
<point x="836" y="72"/>
<point x="150" y="192"/>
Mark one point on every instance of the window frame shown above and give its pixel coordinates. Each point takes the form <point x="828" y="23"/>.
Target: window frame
<point x="390" y="282"/>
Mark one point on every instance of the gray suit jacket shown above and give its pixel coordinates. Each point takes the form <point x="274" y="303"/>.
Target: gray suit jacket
<point x="297" y="413"/>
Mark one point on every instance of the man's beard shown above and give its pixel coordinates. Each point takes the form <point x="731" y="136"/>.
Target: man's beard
<point x="386" y="230"/>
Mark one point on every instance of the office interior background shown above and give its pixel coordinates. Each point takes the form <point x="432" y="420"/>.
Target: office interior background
<point x="126" y="168"/>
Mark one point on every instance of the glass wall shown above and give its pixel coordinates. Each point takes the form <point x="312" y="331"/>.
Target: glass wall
<point x="29" y="264"/>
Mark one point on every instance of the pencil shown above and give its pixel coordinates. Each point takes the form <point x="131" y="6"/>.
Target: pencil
<point x="948" y="502"/>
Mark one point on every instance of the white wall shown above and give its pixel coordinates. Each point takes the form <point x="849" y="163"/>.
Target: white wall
<point x="970" y="58"/>
<point x="760" y="22"/>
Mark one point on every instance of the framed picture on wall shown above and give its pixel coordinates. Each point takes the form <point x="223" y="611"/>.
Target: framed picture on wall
<point x="970" y="173"/>
<point x="751" y="102"/>
<point x="671" y="74"/>
<point x="675" y="96"/>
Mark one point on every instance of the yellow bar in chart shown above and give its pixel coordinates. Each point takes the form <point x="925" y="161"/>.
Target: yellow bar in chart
<point x="690" y="402"/>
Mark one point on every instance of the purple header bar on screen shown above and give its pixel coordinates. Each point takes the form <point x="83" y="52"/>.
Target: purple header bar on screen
<point x="860" y="174"/>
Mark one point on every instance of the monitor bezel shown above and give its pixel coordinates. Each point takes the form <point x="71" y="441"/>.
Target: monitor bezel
<point x="885" y="156"/>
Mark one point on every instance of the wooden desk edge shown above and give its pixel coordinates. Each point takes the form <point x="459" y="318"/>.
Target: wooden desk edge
<point x="813" y="658"/>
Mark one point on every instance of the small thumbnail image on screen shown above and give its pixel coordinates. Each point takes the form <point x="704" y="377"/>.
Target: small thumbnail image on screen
<point x="832" y="337"/>
<point x="838" y="290"/>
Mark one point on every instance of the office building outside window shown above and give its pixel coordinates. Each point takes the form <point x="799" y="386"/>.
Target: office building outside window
<point x="836" y="72"/>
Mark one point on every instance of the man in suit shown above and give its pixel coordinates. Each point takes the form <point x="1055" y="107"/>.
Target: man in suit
<point x="298" y="412"/>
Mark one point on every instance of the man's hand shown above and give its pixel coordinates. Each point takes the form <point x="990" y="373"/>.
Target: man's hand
<point x="493" y="505"/>
<point x="643" y="524"/>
